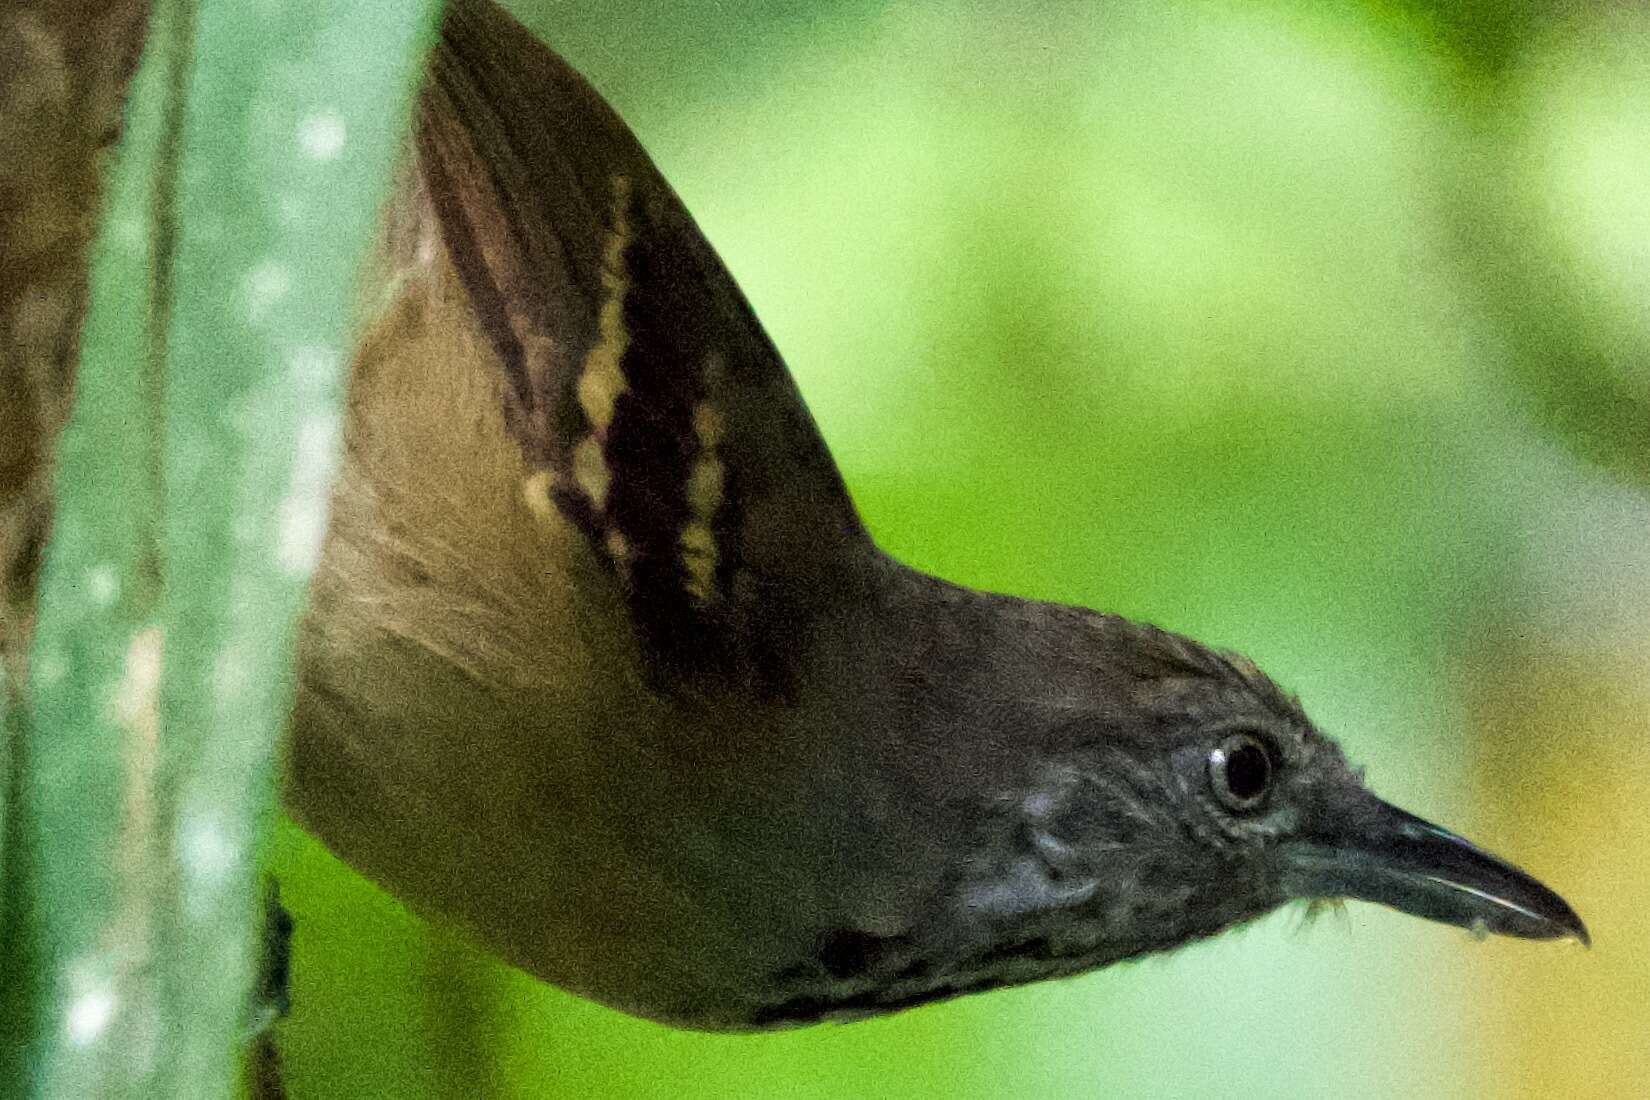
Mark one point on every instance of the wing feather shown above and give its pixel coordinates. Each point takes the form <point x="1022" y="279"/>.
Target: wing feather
<point x="659" y="417"/>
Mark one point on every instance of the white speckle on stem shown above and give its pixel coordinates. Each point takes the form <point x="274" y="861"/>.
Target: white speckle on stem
<point x="127" y="233"/>
<point x="303" y="510"/>
<point x="264" y="287"/>
<point x="208" y="853"/>
<point x="229" y="678"/>
<point x="139" y="689"/>
<point x="312" y="367"/>
<point x="88" y="1016"/>
<point x="322" y="135"/>
<point x="102" y="585"/>
<point x="291" y="207"/>
<point x="49" y="669"/>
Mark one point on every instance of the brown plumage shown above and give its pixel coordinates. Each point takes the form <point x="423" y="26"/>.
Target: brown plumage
<point x="602" y="666"/>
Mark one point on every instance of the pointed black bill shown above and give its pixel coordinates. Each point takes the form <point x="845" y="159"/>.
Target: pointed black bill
<point x="1372" y="850"/>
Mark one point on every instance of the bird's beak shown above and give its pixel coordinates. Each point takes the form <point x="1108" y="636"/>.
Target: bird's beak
<point x="1369" y="849"/>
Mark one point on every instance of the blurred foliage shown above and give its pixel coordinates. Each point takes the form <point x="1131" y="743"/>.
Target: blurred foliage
<point x="1316" y="330"/>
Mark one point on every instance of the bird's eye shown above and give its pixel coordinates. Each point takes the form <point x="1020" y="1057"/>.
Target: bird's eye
<point x="1240" y="770"/>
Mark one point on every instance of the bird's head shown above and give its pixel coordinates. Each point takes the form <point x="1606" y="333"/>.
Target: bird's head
<point x="1180" y="792"/>
<point x="1197" y="795"/>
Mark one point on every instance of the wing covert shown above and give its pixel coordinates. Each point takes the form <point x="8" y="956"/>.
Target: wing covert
<point x="657" y="415"/>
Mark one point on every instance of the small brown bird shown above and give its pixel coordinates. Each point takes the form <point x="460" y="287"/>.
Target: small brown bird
<point x="602" y="666"/>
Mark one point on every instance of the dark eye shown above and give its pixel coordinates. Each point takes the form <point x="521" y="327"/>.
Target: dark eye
<point x="1240" y="770"/>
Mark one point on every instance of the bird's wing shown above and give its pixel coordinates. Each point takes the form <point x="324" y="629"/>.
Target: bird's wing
<point x="639" y="385"/>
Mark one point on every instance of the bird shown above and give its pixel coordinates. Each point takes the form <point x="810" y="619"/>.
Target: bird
<point x="602" y="667"/>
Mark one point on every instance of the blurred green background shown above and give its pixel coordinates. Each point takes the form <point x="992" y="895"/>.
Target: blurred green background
<point x="1320" y="331"/>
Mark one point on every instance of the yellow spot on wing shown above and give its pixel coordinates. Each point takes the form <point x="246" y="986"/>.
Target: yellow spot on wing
<point x="704" y="496"/>
<point x="698" y="539"/>
<point x="590" y="472"/>
<point x="704" y="486"/>
<point x="535" y="493"/>
<point x="601" y="380"/>
<point x="707" y="424"/>
<point x="599" y="384"/>
<point x="699" y="555"/>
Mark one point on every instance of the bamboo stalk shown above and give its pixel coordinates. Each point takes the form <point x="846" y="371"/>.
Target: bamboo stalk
<point x="191" y="495"/>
